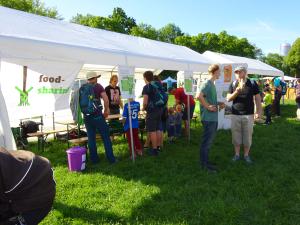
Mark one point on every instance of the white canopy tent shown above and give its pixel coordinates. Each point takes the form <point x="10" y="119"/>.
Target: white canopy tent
<point x="26" y="37"/>
<point x="254" y="66"/>
<point x="169" y="79"/>
<point x="54" y="47"/>
<point x="289" y="78"/>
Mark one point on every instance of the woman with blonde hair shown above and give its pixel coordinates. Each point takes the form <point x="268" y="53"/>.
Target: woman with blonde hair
<point x="114" y="95"/>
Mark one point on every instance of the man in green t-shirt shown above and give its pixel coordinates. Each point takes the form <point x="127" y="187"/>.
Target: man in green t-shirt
<point x="209" y="115"/>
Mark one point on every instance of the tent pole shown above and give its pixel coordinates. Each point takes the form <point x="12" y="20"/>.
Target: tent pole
<point x="130" y="130"/>
<point x="189" y="116"/>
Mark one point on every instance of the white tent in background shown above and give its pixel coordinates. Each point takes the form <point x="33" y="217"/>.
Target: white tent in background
<point x="289" y="78"/>
<point x="169" y="79"/>
<point x="254" y="66"/>
<point x="53" y="47"/>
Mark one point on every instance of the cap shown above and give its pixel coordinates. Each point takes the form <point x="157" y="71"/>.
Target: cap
<point x="240" y="68"/>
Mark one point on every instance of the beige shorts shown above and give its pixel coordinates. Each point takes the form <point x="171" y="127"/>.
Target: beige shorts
<point x="242" y="129"/>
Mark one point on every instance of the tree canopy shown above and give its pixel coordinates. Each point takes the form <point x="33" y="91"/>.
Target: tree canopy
<point x="276" y="61"/>
<point x="118" y="21"/>
<point x="31" y="6"/>
<point x="293" y="58"/>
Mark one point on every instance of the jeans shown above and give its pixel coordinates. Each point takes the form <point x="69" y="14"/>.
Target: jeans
<point x="210" y="130"/>
<point x="178" y="130"/>
<point x="171" y="131"/>
<point x="95" y="124"/>
<point x="268" y="114"/>
<point x="277" y="103"/>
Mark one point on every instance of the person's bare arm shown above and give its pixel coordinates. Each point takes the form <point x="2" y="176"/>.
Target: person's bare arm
<point x="258" y="105"/>
<point x="206" y="105"/>
<point x="231" y="97"/>
<point x="145" y="102"/>
<point x="121" y="103"/>
<point x="106" y="104"/>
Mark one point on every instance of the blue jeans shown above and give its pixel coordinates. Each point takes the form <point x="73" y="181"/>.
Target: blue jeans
<point x="277" y="103"/>
<point x="268" y="114"/>
<point x="95" y="124"/>
<point x="210" y="130"/>
<point x="178" y="130"/>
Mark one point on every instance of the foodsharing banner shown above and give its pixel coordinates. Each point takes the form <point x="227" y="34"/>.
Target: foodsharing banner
<point x="30" y="93"/>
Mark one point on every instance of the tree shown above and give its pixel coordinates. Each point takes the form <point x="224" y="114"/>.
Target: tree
<point x="222" y="42"/>
<point x="184" y="40"/>
<point x="145" y="30"/>
<point x="293" y="58"/>
<point x="89" y="20"/>
<point x="169" y="33"/>
<point x="277" y="61"/>
<point x="31" y="6"/>
<point x="118" y="21"/>
<point x="274" y="60"/>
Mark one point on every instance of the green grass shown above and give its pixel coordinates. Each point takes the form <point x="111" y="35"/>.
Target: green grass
<point x="172" y="189"/>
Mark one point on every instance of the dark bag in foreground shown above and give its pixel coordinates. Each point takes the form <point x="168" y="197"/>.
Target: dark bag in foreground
<point x="26" y="184"/>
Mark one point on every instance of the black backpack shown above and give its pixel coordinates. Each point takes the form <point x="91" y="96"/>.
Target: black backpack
<point x="160" y="97"/>
<point x="29" y="127"/>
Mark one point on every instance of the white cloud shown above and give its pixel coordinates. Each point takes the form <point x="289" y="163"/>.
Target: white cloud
<point x="264" y="25"/>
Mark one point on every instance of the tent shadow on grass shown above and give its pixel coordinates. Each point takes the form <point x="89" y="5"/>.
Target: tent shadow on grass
<point x="239" y="194"/>
<point x="71" y="212"/>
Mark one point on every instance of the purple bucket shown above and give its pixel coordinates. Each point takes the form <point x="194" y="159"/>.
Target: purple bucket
<point x="76" y="158"/>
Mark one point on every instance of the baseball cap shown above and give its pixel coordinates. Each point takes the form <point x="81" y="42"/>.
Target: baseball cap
<point x="240" y="68"/>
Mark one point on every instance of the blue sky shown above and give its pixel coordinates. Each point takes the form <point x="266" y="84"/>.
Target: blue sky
<point x="265" y="23"/>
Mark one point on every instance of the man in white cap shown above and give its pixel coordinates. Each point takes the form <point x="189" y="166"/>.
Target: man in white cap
<point x="241" y="93"/>
<point x="94" y="119"/>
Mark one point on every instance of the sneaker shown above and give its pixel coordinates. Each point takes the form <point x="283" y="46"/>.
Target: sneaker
<point x="139" y="152"/>
<point x="248" y="159"/>
<point x="153" y="152"/>
<point x="212" y="166"/>
<point x="209" y="169"/>
<point x="114" y="162"/>
<point x="236" y="158"/>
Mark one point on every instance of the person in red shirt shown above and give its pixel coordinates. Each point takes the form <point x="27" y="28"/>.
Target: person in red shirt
<point x="182" y="98"/>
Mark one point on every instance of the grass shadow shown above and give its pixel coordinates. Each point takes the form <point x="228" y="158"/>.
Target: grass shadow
<point x="263" y="193"/>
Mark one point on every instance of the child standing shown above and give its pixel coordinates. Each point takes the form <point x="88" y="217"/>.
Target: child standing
<point x="178" y="120"/>
<point x="267" y="105"/>
<point x="171" y="124"/>
<point x="134" y="109"/>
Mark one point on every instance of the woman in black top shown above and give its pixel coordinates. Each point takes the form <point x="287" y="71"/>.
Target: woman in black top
<point x="114" y="95"/>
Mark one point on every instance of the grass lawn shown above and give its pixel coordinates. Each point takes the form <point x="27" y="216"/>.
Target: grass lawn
<point x="172" y="189"/>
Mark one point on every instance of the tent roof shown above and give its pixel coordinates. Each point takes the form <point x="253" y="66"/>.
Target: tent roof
<point x="25" y="36"/>
<point x="169" y="79"/>
<point x="289" y="78"/>
<point x="254" y="66"/>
